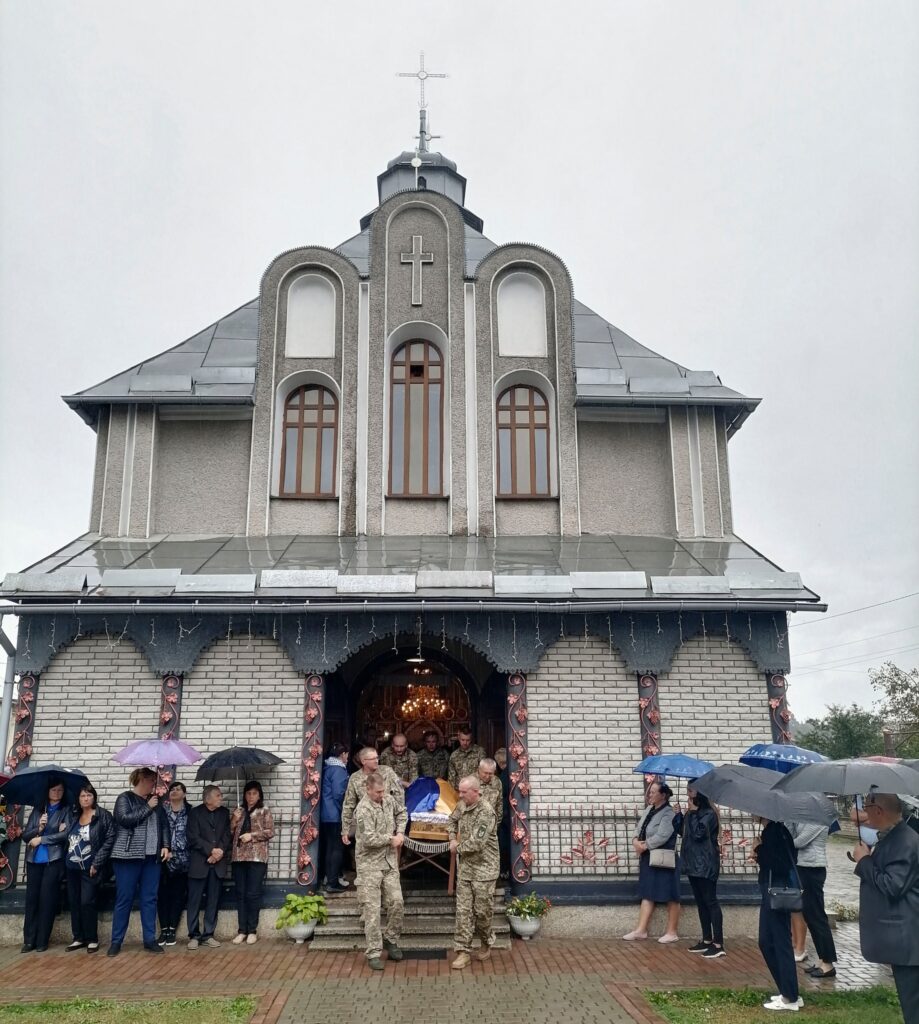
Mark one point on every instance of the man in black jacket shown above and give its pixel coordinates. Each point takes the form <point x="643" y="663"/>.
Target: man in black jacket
<point x="209" y="836"/>
<point x="889" y="898"/>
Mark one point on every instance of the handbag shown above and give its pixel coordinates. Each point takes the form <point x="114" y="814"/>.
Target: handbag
<point x="662" y="858"/>
<point x="786" y="898"/>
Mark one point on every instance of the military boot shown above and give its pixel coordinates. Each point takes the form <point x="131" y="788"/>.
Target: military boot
<point x="392" y="949"/>
<point x="462" y="960"/>
<point x="375" y="963"/>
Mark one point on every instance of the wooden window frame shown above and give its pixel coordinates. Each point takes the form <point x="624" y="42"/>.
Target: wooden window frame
<point x="530" y="427"/>
<point x="327" y="403"/>
<point x="400" y="357"/>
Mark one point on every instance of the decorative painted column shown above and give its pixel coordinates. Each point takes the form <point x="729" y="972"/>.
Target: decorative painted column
<point x="779" y="711"/>
<point x="649" y="718"/>
<point x="170" y="721"/>
<point x="18" y="757"/>
<point x="311" y="784"/>
<point x="518" y="763"/>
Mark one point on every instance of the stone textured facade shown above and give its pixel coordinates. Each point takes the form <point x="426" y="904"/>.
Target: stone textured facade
<point x="94" y="697"/>
<point x="583" y="726"/>
<point x="713" y="700"/>
<point x="246" y="693"/>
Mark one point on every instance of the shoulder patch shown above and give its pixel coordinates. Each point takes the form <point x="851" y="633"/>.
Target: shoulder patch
<point x="482" y="831"/>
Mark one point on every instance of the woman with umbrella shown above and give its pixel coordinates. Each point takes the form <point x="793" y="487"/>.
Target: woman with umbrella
<point x="141" y="845"/>
<point x="253" y="827"/>
<point x="45" y="836"/>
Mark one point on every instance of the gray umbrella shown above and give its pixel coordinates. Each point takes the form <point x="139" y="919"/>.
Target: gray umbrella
<point x="750" y="789"/>
<point x="850" y="777"/>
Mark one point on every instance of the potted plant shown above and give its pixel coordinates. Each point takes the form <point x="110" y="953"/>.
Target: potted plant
<point x="525" y="914"/>
<point x="300" y="915"/>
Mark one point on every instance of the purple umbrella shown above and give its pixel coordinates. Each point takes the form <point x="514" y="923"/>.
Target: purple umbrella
<point x="156" y="753"/>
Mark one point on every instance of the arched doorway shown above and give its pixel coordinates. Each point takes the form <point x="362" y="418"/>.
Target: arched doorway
<point x="414" y="689"/>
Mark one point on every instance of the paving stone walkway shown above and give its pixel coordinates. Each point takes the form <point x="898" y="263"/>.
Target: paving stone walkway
<point x="540" y="982"/>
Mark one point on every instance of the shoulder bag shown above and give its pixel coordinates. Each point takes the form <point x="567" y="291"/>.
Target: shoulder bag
<point x="786" y="899"/>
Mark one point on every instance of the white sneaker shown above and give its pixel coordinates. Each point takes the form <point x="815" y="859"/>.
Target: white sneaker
<point x="342" y="881"/>
<point x="669" y="937"/>
<point x="239" y="938"/>
<point x="780" y="1004"/>
<point x="632" y="936"/>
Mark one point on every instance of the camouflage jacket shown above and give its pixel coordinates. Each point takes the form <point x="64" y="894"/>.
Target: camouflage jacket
<point x="375" y="825"/>
<point x="477" y="844"/>
<point x="433" y="765"/>
<point x="404" y="765"/>
<point x="463" y="763"/>
<point x="493" y="792"/>
<point x="357" y="787"/>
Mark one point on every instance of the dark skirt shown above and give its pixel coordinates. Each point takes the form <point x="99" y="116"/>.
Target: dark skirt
<point x="660" y="885"/>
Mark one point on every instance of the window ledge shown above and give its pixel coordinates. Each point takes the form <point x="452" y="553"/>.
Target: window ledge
<point x="526" y="497"/>
<point x="417" y="497"/>
<point x="304" y="497"/>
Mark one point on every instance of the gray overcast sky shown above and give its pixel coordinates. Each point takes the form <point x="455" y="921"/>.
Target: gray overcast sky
<point x="734" y="184"/>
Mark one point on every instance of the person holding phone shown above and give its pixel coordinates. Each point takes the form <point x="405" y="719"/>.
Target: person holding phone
<point x="253" y="828"/>
<point x="701" y="860"/>
<point x="141" y="846"/>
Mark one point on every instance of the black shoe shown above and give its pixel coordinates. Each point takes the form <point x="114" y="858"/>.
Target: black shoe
<point x="153" y="947"/>
<point x="713" y="952"/>
<point x="171" y="937"/>
<point x="393" y="950"/>
<point x="818" y="973"/>
<point x="76" y="944"/>
<point x="41" y="949"/>
<point x="114" y="949"/>
<point x="93" y="947"/>
<point x="335" y="890"/>
<point x="26" y="948"/>
<point x="699" y="947"/>
<point x="164" y="935"/>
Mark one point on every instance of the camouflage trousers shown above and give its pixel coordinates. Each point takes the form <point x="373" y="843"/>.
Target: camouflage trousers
<point x="475" y="908"/>
<point x="376" y="886"/>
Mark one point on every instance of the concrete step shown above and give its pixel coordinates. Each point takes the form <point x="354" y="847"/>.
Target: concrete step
<point x="410" y="926"/>
<point x="346" y="943"/>
<point x="348" y="907"/>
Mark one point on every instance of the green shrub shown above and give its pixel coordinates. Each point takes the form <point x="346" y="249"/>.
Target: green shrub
<point x="299" y="909"/>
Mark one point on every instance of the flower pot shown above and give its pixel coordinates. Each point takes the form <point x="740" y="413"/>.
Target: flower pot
<point x="300" y="932"/>
<point x="524" y="927"/>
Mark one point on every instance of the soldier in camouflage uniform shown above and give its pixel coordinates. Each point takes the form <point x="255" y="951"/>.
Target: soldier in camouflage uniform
<point x="370" y="763"/>
<point x="491" y="788"/>
<point x="477" y="847"/>
<point x="433" y="760"/>
<point x="379" y="832"/>
<point x="465" y="759"/>
<point x="402" y="760"/>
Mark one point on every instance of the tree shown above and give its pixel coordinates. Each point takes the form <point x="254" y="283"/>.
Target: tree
<point x="843" y="732"/>
<point x="898" y="705"/>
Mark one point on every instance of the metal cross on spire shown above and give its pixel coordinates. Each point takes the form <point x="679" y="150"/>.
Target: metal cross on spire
<point x="422" y="75"/>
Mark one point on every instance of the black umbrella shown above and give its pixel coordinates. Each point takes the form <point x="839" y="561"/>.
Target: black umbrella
<point x="29" y="786"/>
<point x="751" y="789"/>
<point x="850" y="777"/>
<point x="230" y="763"/>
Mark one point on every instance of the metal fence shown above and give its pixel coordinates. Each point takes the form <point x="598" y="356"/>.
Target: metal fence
<point x="595" y="841"/>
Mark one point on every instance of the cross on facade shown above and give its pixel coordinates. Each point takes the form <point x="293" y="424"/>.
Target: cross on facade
<point x="416" y="257"/>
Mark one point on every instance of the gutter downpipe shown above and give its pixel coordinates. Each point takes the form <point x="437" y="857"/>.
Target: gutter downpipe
<point x="421" y="605"/>
<point x="6" y="709"/>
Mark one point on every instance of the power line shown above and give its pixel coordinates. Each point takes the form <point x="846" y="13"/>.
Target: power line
<point x="864" y="640"/>
<point x="834" y="665"/>
<point x="852" y="611"/>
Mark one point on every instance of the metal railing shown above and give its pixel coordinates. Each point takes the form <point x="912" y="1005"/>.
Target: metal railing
<point x="595" y="841"/>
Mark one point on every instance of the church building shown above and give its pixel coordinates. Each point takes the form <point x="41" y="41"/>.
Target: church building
<point x="414" y="483"/>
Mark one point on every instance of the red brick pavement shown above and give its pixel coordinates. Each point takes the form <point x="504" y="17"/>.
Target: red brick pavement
<point x="271" y="970"/>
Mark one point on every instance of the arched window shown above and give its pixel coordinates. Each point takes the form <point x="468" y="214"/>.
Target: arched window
<point x="310" y="318"/>
<point x="416" y="421"/>
<point x="521" y="315"/>
<point x="523" y="443"/>
<point x="309" y="444"/>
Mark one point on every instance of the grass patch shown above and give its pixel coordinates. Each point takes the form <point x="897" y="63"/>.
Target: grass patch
<point x="114" y="1011"/>
<point x="744" y="1006"/>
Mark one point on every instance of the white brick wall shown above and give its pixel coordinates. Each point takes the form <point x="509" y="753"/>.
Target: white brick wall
<point x="248" y="694"/>
<point x="583" y="726"/>
<point x="713" y="701"/>
<point x="92" y="700"/>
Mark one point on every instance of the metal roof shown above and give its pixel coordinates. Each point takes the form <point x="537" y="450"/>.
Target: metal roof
<point x="589" y="567"/>
<point x="217" y="365"/>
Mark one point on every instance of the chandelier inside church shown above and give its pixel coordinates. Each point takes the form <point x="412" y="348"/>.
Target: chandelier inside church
<point x="424" y="702"/>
